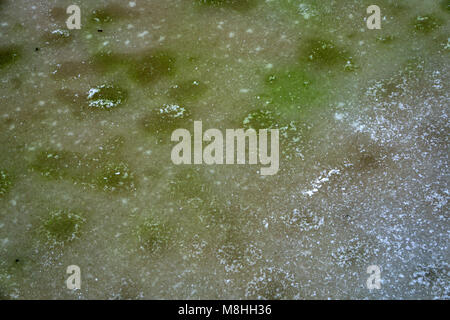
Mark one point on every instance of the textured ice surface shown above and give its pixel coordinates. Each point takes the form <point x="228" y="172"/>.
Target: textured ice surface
<point x="86" y="177"/>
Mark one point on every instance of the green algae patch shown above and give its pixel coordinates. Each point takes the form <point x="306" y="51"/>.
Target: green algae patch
<point x="55" y="164"/>
<point x="427" y="23"/>
<point x="116" y="177"/>
<point x="5" y="182"/>
<point x="8" y="55"/>
<point x="62" y="226"/>
<point x="187" y="91"/>
<point x="152" y="66"/>
<point x="326" y="54"/>
<point x="95" y="170"/>
<point x="293" y="89"/>
<point x="153" y="235"/>
<point x="238" y="5"/>
<point x="165" y="119"/>
<point x="106" y="97"/>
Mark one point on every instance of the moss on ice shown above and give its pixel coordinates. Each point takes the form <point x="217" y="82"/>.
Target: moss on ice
<point x="427" y="23"/>
<point x="5" y="182"/>
<point x="105" y="61"/>
<point x="94" y="170"/>
<point x="144" y="68"/>
<point x="153" y="235"/>
<point x="8" y="55"/>
<point x="62" y="226"/>
<point x="165" y="119"/>
<point x="106" y="97"/>
<point x="188" y="184"/>
<point x="293" y="89"/>
<point x="187" y="91"/>
<point x="56" y="164"/>
<point x="116" y="177"/>
<point x="326" y="54"/>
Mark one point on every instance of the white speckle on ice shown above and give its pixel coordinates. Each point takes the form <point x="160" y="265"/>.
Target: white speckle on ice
<point x="317" y="184"/>
<point x="143" y="34"/>
<point x="92" y="92"/>
<point x="339" y="116"/>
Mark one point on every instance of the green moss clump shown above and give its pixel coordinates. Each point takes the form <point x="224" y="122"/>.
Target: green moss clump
<point x="106" y="97"/>
<point x="5" y="182"/>
<point x="153" y="235"/>
<point x="292" y="89"/>
<point x="325" y="53"/>
<point x="427" y="24"/>
<point x="62" y="226"/>
<point x="187" y="91"/>
<point x="238" y="5"/>
<point x="55" y="164"/>
<point x="116" y="177"/>
<point x="152" y="67"/>
<point x="8" y="55"/>
<point x="165" y="119"/>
